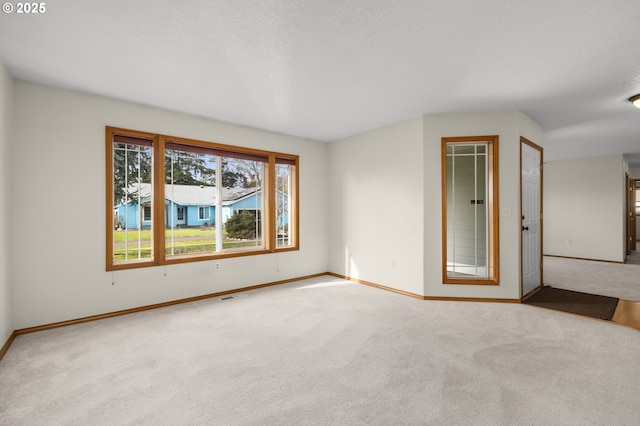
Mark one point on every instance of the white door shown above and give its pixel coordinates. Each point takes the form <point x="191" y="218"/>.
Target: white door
<point x="531" y="212"/>
<point x="180" y="216"/>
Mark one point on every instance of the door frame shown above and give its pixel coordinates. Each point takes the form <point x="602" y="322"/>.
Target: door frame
<point x="627" y="214"/>
<point x="525" y="141"/>
<point x="633" y="187"/>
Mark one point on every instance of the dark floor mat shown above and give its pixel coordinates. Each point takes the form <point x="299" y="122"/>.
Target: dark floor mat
<point x="591" y="305"/>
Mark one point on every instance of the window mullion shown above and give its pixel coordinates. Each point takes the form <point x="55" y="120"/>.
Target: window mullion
<point x="126" y="206"/>
<point x="453" y="209"/>
<point x="475" y="210"/>
<point x="157" y="201"/>
<point x="487" y="213"/>
<point x="140" y="205"/>
<point x="218" y="204"/>
<point x="172" y="207"/>
<point x="270" y="204"/>
<point x="290" y="206"/>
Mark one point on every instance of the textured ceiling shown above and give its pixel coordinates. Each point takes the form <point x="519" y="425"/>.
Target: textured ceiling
<point x="327" y="69"/>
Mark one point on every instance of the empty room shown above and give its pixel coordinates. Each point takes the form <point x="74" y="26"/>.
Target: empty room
<point x="283" y="212"/>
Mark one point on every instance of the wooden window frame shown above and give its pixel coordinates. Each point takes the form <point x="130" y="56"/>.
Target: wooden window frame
<point x="158" y="144"/>
<point x="294" y="201"/>
<point x="493" y="251"/>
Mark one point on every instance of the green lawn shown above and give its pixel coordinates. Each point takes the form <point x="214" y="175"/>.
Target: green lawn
<point x="145" y="234"/>
<point x="185" y="241"/>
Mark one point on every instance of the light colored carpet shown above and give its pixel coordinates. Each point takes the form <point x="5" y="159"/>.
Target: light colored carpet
<point x="605" y="278"/>
<point x="327" y="351"/>
<point x="634" y="256"/>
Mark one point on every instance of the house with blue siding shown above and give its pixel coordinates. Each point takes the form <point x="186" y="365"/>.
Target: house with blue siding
<point x="185" y="205"/>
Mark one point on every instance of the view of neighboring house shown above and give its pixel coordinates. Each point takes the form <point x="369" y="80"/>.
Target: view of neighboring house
<point x="186" y="205"/>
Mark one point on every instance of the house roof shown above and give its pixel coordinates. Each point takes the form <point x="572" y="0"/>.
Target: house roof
<point x="190" y="195"/>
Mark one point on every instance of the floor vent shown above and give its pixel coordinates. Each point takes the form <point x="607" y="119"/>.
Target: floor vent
<point x="227" y="298"/>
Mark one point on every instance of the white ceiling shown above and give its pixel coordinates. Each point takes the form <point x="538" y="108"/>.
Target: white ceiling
<point x="326" y="69"/>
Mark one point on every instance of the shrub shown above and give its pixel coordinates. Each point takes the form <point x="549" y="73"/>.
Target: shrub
<point x="242" y="225"/>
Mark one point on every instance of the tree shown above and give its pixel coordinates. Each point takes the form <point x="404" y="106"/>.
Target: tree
<point x="188" y="168"/>
<point x="232" y="178"/>
<point x="131" y="165"/>
<point x="242" y="225"/>
<point x="248" y="173"/>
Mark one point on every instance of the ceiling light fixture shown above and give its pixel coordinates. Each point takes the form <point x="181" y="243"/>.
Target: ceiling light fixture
<point x="635" y="100"/>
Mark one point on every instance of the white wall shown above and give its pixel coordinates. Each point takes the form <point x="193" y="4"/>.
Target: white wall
<point x="584" y="208"/>
<point x="59" y="184"/>
<point x="509" y="126"/>
<point x="376" y="213"/>
<point x="6" y="207"/>
<point x="385" y="200"/>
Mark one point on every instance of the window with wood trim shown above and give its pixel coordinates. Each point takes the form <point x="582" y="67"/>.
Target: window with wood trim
<point x="470" y="253"/>
<point x="174" y="200"/>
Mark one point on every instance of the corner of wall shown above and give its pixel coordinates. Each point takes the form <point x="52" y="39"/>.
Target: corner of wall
<point x="376" y="178"/>
<point x="530" y="129"/>
<point x="6" y="206"/>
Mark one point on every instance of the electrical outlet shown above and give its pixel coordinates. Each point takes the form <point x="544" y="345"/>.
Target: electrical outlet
<point x="217" y="266"/>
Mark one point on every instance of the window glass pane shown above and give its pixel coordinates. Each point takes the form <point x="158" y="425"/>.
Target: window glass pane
<point x="132" y="196"/>
<point x="284" y="176"/>
<point x="190" y="203"/>
<point x="242" y="203"/>
<point x="146" y="209"/>
<point x="203" y="213"/>
<point x="202" y="217"/>
<point x="467" y="206"/>
<point x="463" y="149"/>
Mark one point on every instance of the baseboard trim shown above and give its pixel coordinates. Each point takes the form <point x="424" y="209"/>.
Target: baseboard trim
<point x="532" y="293"/>
<point x="238" y="290"/>
<point x="471" y="299"/>
<point x="417" y="296"/>
<point x="584" y="258"/>
<point x="154" y="306"/>
<point x="8" y="343"/>
<point x="380" y="286"/>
